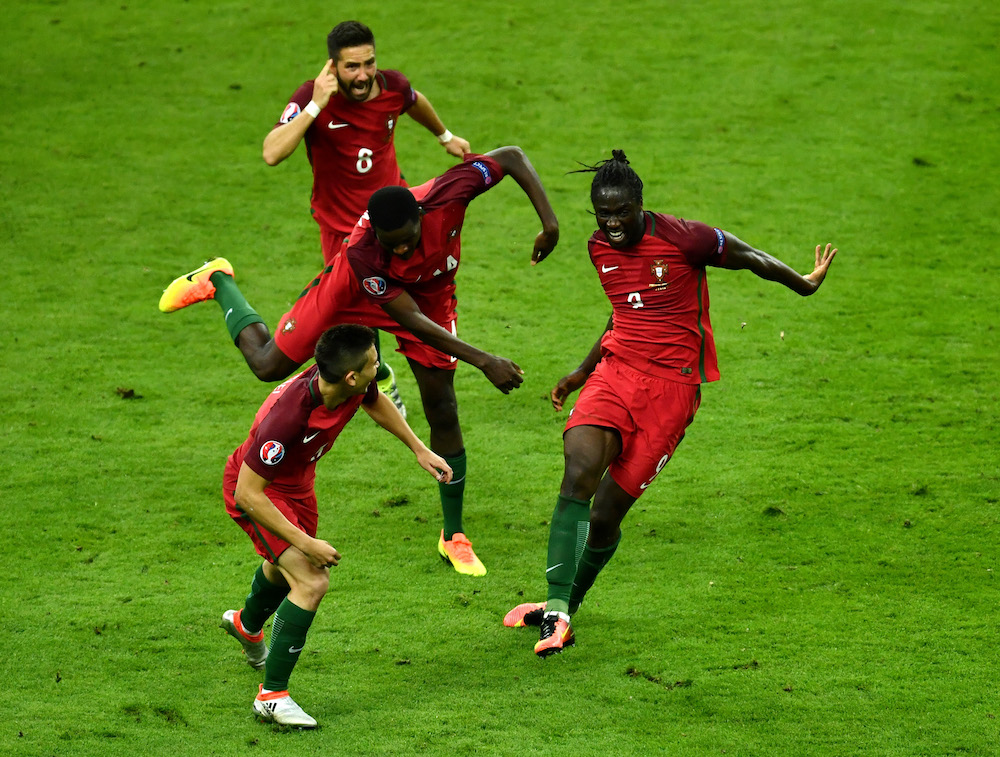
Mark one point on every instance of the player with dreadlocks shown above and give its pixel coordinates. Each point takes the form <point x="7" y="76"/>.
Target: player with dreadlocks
<point x="641" y="380"/>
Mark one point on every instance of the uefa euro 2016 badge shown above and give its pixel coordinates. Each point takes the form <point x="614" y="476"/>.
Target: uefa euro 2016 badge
<point x="659" y="270"/>
<point x="271" y="452"/>
<point x="374" y="285"/>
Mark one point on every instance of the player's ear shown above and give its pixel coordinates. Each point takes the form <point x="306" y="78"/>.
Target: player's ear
<point x="351" y="378"/>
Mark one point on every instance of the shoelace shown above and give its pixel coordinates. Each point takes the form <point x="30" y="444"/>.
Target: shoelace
<point x="548" y="627"/>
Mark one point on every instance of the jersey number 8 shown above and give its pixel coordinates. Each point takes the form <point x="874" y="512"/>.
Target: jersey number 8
<point x="364" y="164"/>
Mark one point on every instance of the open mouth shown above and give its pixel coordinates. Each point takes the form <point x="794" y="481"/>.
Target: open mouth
<point x="616" y="236"/>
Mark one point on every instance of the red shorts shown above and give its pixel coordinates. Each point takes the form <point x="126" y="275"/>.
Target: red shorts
<point x="302" y="512"/>
<point x="650" y="413"/>
<point x="335" y="296"/>
<point x="332" y="243"/>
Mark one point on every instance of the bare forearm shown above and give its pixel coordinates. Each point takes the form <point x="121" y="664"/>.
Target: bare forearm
<point x="385" y="414"/>
<point x="424" y="114"/>
<point x="594" y="356"/>
<point x="282" y="140"/>
<point x="516" y="164"/>
<point x="262" y="511"/>
<point x="429" y="332"/>
<point x="742" y="256"/>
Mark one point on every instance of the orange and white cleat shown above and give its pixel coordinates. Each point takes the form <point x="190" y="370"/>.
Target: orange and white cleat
<point x="193" y="287"/>
<point x="556" y="634"/>
<point x="278" y="707"/>
<point x="458" y="552"/>
<point x="253" y="643"/>
<point x="526" y="614"/>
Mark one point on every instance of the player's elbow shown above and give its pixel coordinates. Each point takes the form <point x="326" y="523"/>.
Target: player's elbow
<point x="273" y="151"/>
<point x="271" y="157"/>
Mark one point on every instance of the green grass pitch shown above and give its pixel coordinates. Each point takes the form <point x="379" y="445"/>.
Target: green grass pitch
<point x="813" y="574"/>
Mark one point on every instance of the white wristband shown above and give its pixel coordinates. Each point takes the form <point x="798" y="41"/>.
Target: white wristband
<point x="445" y="136"/>
<point x="312" y="109"/>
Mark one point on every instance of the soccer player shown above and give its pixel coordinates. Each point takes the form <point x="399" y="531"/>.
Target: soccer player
<point x="268" y="488"/>
<point x="397" y="274"/>
<point x="347" y="116"/>
<point x="641" y="380"/>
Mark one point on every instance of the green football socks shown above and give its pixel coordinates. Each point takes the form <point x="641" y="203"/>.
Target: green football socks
<point x="288" y="637"/>
<point x="383" y="367"/>
<point x="235" y="308"/>
<point x="263" y="599"/>
<point x="452" y="496"/>
<point x="567" y="539"/>
<point x="592" y="561"/>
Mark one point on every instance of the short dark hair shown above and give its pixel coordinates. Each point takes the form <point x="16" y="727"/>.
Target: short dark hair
<point x="391" y="208"/>
<point x="614" y="172"/>
<point x="342" y="349"/>
<point x="348" y="34"/>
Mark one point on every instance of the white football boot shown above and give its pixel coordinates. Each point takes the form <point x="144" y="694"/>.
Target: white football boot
<point x="278" y="707"/>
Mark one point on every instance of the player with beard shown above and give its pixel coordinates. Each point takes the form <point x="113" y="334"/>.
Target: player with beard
<point x="641" y="380"/>
<point x="347" y="116"/>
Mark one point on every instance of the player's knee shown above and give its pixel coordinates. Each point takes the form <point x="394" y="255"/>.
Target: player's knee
<point x="442" y="411"/>
<point x="317" y="585"/>
<point x="580" y="478"/>
<point x="604" y="526"/>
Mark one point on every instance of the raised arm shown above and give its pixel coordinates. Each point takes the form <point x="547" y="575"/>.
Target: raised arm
<point x="741" y="256"/>
<point x="504" y="374"/>
<point x="424" y="114"/>
<point x="387" y="415"/>
<point x="282" y="140"/>
<point x="515" y="163"/>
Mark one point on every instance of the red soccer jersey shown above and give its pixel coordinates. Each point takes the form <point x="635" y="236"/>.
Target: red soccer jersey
<point x="430" y="271"/>
<point x="351" y="149"/>
<point x="293" y="430"/>
<point x="659" y="297"/>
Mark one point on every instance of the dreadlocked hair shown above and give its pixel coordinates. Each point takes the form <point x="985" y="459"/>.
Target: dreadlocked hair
<point x="613" y="173"/>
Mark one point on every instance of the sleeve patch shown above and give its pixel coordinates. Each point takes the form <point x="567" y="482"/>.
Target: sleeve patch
<point x="484" y="170"/>
<point x="722" y="241"/>
<point x="374" y="285"/>
<point x="291" y="111"/>
<point x="272" y="452"/>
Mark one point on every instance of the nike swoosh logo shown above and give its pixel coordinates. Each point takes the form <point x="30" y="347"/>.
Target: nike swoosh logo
<point x="332" y="125"/>
<point x="228" y="313"/>
<point x="553" y="567"/>
<point x="307" y="439"/>
<point x="295" y="650"/>
<point x="606" y="268"/>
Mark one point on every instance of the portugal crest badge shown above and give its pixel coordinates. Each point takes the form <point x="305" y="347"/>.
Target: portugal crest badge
<point x="659" y="270"/>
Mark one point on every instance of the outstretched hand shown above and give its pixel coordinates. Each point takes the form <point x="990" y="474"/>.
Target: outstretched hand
<point x="823" y="260"/>
<point x="504" y="374"/>
<point x="565" y="387"/>
<point x="545" y="242"/>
